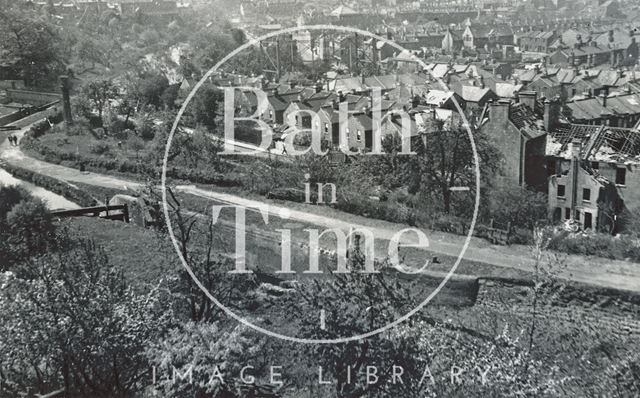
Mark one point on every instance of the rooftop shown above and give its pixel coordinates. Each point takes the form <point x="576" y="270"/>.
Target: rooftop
<point x="599" y="143"/>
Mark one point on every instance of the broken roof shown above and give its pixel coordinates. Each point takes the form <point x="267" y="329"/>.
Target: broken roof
<point x="599" y="143"/>
<point x="523" y="117"/>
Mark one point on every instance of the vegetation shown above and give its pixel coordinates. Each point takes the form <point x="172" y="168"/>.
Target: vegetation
<point x="25" y="226"/>
<point x="90" y="318"/>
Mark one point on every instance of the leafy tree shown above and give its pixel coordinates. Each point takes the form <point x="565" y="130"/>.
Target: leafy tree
<point x="127" y="106"/>
<point x="89" y="52"/>
<point x="151" y="87"/>
<point x="445" y="160"/>
<point x="147" y="130"/>
<point x="196" y="238"/>
<point x="210" y="354"/>
<point x="136" y="144"/>
<point x="205" y="105"/>
<point x="517" y="205"/>
<point x="99" y="93"/>
<point x="26" y="228"/>
<point x="29" y="45"/>
<point x="238" y="36"/>
<point x="149" y="37"/>
<point x="76" y="324"/>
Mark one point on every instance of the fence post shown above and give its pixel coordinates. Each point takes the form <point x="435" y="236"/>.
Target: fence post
<point x="508" y="232"/>
<point x="125" y="213"/>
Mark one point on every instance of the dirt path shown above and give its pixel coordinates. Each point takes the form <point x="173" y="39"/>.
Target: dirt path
<point x="590" y="270"/>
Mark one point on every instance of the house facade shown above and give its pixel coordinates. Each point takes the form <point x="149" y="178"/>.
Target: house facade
<point x="521" y="139"/>
<point x="594" y="169"/>
<point x="580" y="194"/>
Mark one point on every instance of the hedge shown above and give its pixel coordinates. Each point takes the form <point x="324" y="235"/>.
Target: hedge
<point x="51" y="184"/>
<point x="597" y="244"/>
<point x="99" y="164"/>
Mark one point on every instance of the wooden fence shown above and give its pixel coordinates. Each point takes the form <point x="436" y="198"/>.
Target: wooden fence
<point x="497" y="235"/>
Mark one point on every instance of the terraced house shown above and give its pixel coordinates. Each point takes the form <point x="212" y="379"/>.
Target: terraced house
<point x="594" y="174"/>
<point x="611" y="110"/>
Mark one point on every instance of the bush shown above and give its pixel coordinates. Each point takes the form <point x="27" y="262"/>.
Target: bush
<point x="76" y="129"/>
<point x="25" y="226"/>
<point x="117" y="126"/>
<point x="124" y="134"/>
<point x="291" y="194"/>
<point x="100" y="148"/>
<point x="518" y="206"/>
<point x="62" y="141"/>
<point x="147" y="131"/>
<point x="596" y="244"/>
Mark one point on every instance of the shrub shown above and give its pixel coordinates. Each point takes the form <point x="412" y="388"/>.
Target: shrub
<point x="596" y="244"/>
<point x="100" y="148"/>
<point x="518" y="206"/>
<point x="61" y="141"/>
<point x="291" y="194"/>
<point x="76" y="129"/>
<point x="118" y="126"/>
<point x="147" y="131"/>
<point x="124" y="134"/>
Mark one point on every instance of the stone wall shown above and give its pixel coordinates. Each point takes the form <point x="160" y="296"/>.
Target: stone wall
<point x="35" y="98"/>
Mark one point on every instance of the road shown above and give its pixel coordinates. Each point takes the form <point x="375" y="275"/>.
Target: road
<point x="590" y="270"/>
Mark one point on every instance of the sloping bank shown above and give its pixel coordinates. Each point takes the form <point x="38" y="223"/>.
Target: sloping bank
<point x="54" y="185"/>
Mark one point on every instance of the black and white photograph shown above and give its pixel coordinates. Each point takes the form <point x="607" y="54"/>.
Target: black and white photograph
<point x="330" y="198"/>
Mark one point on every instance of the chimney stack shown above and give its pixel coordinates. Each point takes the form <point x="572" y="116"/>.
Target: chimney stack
<point x="603" y="99"/>
<point x="529" y="99"/>
<point x="551" y="114"/>
<point x="499" y="112"/>
<point x="576" y="148"/>
<point x="66" y="101"/>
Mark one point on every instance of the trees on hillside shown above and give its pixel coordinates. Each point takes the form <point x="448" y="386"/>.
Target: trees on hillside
<point x="29" y="45"/>
<point x="205" y="104"/>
